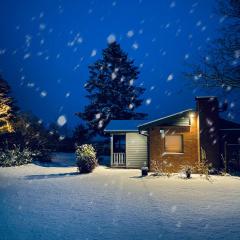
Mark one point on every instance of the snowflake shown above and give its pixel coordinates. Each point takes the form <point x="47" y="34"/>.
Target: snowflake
<point x="114" y="75"/>
<point x="42" y="26"/>
<point x="229" y="88"/>
<point x="130" y="33"/>
<point x="232" y="105"/>
<point x="30" y="85"/>
<point x="79" y="39"/>
<point x="111" y="38"/>
<point x="2" y="51"/>
<point x="130" y="106"/>
<point x="222" y="19"/>
<point x="209" y="122"/>
<point x="191" y="11"/>
<point x="135" y="46"/>
<point x="39" y="54"/>
<point x="140" y="31"/>
<point x="172" y="5"/>
<point x="237" y="54"/>
<point x="67" y="94"/>
<point x="61" y="138"/>
<point x="62" y="120"/>
<point x="114" y="4"/>
<point x="186" y="56"/>
<point x="41" y="14"/>
<point x="170" y="77"/>
<point x="94" y="53"/>
<point x="100" y="124"/>
<point x="214" y="141"/>
<point x="28" y="39"/>
<point x="98" y="115"/>
<point x="131" y="82"/>
<point x="148" y="101"/>
<point x="199" y="23"/>
<point x="27" y="55"/>
<point x="167" y="25"/>
<point x="43" y="94"/>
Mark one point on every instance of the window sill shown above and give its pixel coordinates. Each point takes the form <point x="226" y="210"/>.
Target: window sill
<point x="172" y="153"/>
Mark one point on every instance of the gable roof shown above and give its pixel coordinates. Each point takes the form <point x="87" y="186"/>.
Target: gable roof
<point x="123" y="125"/>
<point x="177" y="119"/>
<point x="227" y="125"/>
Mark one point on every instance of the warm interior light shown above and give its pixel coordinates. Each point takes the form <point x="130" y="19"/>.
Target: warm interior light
<point x="192" y="115"/>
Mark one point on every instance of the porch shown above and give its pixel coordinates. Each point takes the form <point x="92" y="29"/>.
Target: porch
<point x="118" y="160"/>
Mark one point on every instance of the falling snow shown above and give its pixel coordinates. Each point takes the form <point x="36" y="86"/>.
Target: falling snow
<point x="43" y="94"/>
<point x="130" y="33"/>
<point x="111" y="38"/>
<point x="62" y="120"/>
<point x="170" y="77"/>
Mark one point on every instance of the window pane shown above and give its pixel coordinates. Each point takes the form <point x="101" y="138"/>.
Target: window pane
<point x="173" y="143"/>
<point x="119" y="143"/>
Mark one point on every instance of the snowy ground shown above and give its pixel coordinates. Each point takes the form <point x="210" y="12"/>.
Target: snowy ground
<point x="52" y="202"/>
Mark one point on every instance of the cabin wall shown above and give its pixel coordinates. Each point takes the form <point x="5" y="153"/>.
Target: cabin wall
<point x="173" y="162"/>
<point x="136" y="150"/>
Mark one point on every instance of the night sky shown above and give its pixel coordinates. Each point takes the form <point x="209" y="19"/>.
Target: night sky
<point x="46" y="47"/>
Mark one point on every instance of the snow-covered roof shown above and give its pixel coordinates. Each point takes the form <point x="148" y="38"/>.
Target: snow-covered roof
<point x="124" y="125"/>
<point x="176" y="119"/>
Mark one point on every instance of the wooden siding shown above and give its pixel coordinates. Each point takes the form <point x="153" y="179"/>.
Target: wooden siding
<point x="136" y="150"/>
<point x="170" y="162"/>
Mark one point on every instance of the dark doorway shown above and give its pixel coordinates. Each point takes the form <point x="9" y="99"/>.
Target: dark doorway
<point x="233" y="157"/>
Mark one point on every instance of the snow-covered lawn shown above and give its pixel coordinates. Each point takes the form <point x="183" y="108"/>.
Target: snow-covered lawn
<point x="52" y="202"/>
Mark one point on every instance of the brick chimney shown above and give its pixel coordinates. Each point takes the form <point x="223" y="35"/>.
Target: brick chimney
<point x="208" y="112"/>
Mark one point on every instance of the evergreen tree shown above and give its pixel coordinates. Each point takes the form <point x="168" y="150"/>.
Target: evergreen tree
<point x="8" y="108"/>
<point x="81" y="135"/>
<point x="111" y="90"/>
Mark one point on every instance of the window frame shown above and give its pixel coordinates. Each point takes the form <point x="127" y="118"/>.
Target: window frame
<point x="119" y="145"/>
<point x="182" y="141"/>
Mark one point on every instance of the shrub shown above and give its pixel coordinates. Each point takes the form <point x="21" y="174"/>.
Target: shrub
<point x="15" y="157"/>
<point x="203" y="167"/>
<point x="86" y="158"/>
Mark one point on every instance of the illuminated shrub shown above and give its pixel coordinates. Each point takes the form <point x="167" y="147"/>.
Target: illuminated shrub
<point x="15" y="157"/>
<point x="86" y="158"/>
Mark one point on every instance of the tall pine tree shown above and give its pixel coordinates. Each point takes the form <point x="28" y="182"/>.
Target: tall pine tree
<point x="7" y="107"/>
<point x="112" y="91"/>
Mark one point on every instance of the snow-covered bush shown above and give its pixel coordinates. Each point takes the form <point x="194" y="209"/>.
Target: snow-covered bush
<point x="15" y="157"/>
<point x="86" y="158"/>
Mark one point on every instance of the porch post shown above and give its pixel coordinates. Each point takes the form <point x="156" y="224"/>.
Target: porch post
<point x="111" y="151"/>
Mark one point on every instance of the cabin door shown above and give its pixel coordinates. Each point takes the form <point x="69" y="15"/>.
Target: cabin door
<point x="119" y="150"/>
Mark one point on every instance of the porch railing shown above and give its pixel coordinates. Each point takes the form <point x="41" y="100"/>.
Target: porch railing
<point x="119" y="159"/>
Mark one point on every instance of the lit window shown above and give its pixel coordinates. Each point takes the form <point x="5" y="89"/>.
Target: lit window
<point x="174" y="143"/>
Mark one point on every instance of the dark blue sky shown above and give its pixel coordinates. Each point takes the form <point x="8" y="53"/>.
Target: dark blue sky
<point x="46" y="46"/>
